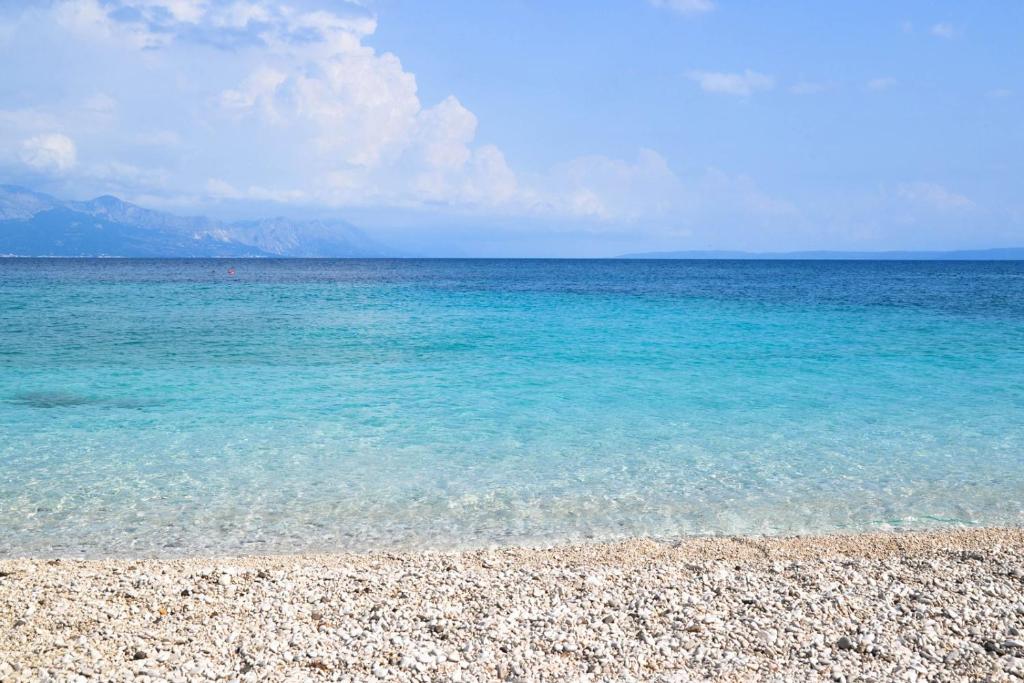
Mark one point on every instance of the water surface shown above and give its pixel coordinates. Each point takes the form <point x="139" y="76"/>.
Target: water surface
<point x="168" y="408"/>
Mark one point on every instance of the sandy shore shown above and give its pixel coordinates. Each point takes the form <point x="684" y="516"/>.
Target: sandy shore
<point x="908" y="606"/>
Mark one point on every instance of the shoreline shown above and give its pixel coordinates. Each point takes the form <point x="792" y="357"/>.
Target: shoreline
<point x="853" y="539"/>
<point x="903" y="605"/>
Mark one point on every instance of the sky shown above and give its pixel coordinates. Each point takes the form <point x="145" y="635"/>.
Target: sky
<point x="514" y="128"/>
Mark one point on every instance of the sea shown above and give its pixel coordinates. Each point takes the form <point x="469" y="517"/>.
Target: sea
<point x="211" y="407"/>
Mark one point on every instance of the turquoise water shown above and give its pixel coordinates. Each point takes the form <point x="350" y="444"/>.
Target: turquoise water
<point x="167" y="407"/>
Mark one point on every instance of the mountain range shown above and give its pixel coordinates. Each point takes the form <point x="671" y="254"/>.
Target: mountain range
<point x="1006" y="254"/>
<point x="37" y="224"/>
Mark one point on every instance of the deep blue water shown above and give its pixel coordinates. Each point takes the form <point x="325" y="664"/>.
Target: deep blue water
<point x="167" y="407"/>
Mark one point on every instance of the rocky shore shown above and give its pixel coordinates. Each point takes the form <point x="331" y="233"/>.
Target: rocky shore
<point x="943" y="606"/>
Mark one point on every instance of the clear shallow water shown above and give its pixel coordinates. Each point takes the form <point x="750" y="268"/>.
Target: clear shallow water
<point x="167" y="408"/>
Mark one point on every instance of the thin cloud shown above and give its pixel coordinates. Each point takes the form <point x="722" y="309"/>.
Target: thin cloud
<point x="685" y="6"/>
<point x="934" y="196"/>
<point x="738" y="84"/>
<point x="943" y="29"/>
<point x="884" y="83"/>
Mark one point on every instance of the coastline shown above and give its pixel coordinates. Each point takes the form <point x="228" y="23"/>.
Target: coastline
<point x="903" y="605"/>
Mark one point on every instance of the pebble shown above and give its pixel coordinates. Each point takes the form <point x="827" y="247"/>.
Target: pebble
<point x="906" y="606"/>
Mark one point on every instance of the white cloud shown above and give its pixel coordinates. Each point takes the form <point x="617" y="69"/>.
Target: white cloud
<point x="943" y="30"/>
<point x="363" y="106"/>
<point x="603" y="188"/>
<point x="304" y="111"/>
<point x="883" y="83"/>
<point x="742" y="195"/>
<point x="123" y="176"/>
<point x="221" y="189"/>
<point x="933" y="196"/>
<point x="17" y="128"/>
<point x="450" y="167"/>
<point x="740" y="84"/>
<point x="492" y="181"/>
<point x="445" y="130"/>
<point x="52" y="152"/>
<point x="1000" y="93"/>
<point x="685" y="6"/>
<point x="90" y="20"/>
<point x="240" y="14"/>
<point x="190" y="11"/>
<point x="100" y="104"/>
<point x="151" y="24"/>
<point x="359" y="120"/>
<point x="646" y="190"/>
<point x="484" y="180"/>
<point x="258" y="89"/>
<point x="341" y="119"/>
<point x="27" y="120"/>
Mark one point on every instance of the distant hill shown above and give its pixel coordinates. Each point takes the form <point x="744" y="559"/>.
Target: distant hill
<point x="1009" y="254"/>
<point x="36" y="224"/>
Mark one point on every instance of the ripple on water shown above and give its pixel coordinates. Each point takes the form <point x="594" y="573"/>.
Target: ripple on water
<point x="155" y="408"/>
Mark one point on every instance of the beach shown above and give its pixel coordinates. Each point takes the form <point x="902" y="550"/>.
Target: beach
<point x="522" y="470"/>
<point x="937" y="605"/>
<point x="534" y="342"/>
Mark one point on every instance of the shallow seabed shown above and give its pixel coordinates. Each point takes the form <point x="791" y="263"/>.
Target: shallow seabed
<point x="163" y="408"/>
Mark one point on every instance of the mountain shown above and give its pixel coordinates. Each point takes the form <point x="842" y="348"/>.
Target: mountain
<point x="63" y="232"/>
<point x="36" y="224"/>
<point x="308" y="239"/>
<point x="1008" y="254"/>
<point x="17" y="202"/>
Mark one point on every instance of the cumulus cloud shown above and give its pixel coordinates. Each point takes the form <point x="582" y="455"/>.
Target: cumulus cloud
<point x="933" y="196"/>
<point x="298" y="108"/>
<point x="337" y="117"/>
<point x="52" y="152"/>
<point x="685" y="6"/>
<point x="363" y="106"/>
<point x="449" y="164"/>
<point x="362" y="122"/>
<point x="600" y="187"/>
<point x="741" y="84"/>
<point x="240" y="14"/>
<point x="259" y="89"/>
<point x="91" y="20"/>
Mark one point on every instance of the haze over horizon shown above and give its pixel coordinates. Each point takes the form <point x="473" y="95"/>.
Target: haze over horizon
<point x="522" y="129"/>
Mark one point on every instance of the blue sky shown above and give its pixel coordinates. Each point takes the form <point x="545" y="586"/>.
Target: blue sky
<point x="534" y="128"/>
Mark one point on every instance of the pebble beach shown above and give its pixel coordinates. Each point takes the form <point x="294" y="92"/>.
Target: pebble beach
<point x="921" y="606"/>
